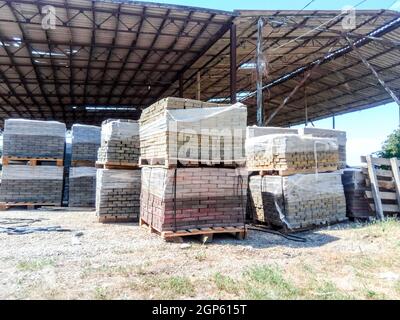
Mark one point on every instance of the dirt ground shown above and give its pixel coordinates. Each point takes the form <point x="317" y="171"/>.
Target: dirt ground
<point x="124" y="261"/>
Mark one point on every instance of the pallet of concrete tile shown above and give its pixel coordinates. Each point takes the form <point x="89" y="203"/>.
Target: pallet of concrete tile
<point x="355" y="187"/>
<point x="6" y="160"/>
<point x="31" y="184"/>
<point x="298" y="201"/>
<point x="193" y="198"/>
<point x="85" y="142"/>
<point x="339" y="135"/>
<point x="118" y="195"/>
<point x="288" y="154"/>
<point x="82" y="187"/>
<point x="180" y="132"/>
<point x="119" y="144"/>
<point x="33" y="139"/>
<point x="382" y="178"/>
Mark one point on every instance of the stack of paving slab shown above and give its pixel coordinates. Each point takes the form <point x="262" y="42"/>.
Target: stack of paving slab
<point x="119" y="143"/>
<point x="32" y="152"/>
<point x="297" y="183"/>
<point x="193" y="132"/>
<point x="67" y="167"/>
<point x="355" y="187"/>
<point x="191" y="157"/>
<point x="340" y="136"/>
<point x="82" y="174"/>
<point x="118" y="195"/>
<point x="298" y="201"/>
<point x="118" y="187"/>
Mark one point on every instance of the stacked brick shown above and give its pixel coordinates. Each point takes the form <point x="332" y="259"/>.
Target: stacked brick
<point x="340" y="136"/>
<point x="182" y="130"/>
<point x="298" y="201"/>
<point x="292" y="153"/>
<point x="85" y="142"/>
<point x="24" y="181"/>
<point x="194" y="198"/>
<point x="33" y="139"/>
<point x="297" y="184"/>
<point x="119" y="143"/>
<point x="199" y="183"/>
<point x="118" y="195"/>
<point x="355" y="186"/>
<point x="118" y="189"/>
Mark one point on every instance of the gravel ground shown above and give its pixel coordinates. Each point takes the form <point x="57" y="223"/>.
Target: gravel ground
<point x="125" y="261"/>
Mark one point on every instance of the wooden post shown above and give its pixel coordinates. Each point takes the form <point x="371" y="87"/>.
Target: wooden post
<point x="198" y="96"/>
<point x="394" y="162"/>
<point x="259" y="71"/>
<point x="375" y="188"/>
<point x="233" y="64"/>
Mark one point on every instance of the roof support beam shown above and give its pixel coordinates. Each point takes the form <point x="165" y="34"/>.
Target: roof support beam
<point x="30" y="50"/>
<point x="233" y="62"/>
<point x="145" y="57"/>
<point x="380" y="80"/>
<point x="260" y="67"/>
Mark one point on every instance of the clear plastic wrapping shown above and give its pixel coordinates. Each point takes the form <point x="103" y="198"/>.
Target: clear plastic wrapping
<point x="254" y="131"/>
<point x="85" y="134"/>
<point x="117" y="179"/>
<point x="78" y="172"/>
<point x="21" y="172"/>
<point x="119" y="130"/>
<point x="34" y="128"/>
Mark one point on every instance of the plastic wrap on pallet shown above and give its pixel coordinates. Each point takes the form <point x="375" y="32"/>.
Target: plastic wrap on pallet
<point x="298" y="201"/>
<point x="33" y="139"/>
<point x="255" y="131"/>
<point x="21" y="172"/>
<point x="355" y="187"/>
<point x="340" y="136"/>
<point x="78" y="172"/>
<point x="298" y="153"/>
<point x="116" y="179"/>
<point x="85" y="134"/>
<point x="203" y="197"/>
<point x="34" y="128"/>
<point x="194" y="131"/>
<point x="119" y="130"/>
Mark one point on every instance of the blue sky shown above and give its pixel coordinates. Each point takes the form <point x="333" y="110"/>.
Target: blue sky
<point x="366" y="130"/>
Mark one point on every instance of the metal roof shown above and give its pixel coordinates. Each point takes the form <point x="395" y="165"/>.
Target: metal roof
<point x="100" y="53"/>
<point x="293" y="42"/>
<point x="128" y="54"/>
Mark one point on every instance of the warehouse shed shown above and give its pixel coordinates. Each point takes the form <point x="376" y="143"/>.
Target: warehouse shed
<point x="111" y="59"/>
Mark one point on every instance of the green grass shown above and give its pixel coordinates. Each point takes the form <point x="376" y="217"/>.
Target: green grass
<point x="177" y="286"/>
<point x="328" y="291"/>
<point x="268" y="282"/>
<point x="225" y="283"/>
<point x="101" y="294"/>
<point x="34" y="265"/>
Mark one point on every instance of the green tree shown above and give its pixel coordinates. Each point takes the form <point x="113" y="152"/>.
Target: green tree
<point x="391" y="147"/>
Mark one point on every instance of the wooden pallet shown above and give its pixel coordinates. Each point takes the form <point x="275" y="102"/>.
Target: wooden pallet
<point x="383" y="183"/>
<point x="83" y="163"/>
<point x="27" y="205"/>
<point x="117" y="165"/>
<point x="116" y="219"/>
<point x="205" y="234"/>
<point x="31" y="161"/>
